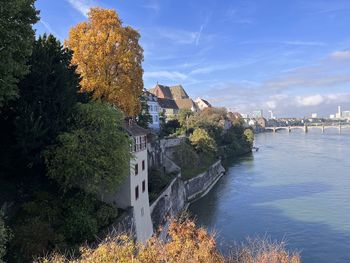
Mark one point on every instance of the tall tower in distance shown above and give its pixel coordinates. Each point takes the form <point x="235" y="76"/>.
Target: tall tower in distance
<point x="338" y="115"/>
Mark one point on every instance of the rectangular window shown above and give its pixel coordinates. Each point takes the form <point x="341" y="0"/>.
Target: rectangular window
<point x="136" y="192"/>
<point x="143" y="165"/>
<point x="142" y="211"/>
<point x="143" y="186"/>
<point x="136" y="169"/>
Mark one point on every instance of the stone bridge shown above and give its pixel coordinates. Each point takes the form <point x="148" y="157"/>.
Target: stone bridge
<point x="306" y="128"/>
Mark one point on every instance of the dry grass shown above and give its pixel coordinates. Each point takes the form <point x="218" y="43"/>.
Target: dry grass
<point x="262" y="251"/>
<point x="187" y="244"/>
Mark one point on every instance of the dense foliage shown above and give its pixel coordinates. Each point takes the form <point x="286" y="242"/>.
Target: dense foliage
<point x="94" y="153"/>
<point x="17" y="37"/>
<point x="48" y="95"/>
<point x="60" y="153"/>
<point x="202" y="141"/>
<point x="109" y="57"/>
<point x="52" y="221"/>
<point x="4" y="237"/>
<point x="213" y="131"/>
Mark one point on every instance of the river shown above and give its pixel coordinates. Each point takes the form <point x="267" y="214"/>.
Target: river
<point x="296" y="188"/>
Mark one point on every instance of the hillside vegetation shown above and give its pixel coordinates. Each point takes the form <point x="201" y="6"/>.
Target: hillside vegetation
<point x="187" y="243"/>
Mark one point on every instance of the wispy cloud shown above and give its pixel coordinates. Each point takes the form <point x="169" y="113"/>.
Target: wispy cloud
<point x="83" y="6"/>
<point x="152" y="5"/>
<point x="178" y="36"/>
<point x="303" y="43"/>
<point x="331" y="71"/>
<point x="198" y="37"/>
<point x="199" y="33"/>
<point x="340" y="55"/>
<point x="241" y="13"/>
<point x="170" y="75"/>
<point x="49" y="28"/>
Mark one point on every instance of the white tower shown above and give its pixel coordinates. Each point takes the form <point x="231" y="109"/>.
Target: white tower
<point x="338" y="115"/>
<point x="134" y="190"/>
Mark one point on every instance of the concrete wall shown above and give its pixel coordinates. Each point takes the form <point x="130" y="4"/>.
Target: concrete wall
<point x="201" y="184"/>
<point x="171" y="201"/>
<point x="180" y="193"/>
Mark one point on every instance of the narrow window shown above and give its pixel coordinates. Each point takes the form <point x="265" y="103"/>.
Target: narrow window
<point x="136" y="192"/>
<point x="143" y="165"/>
<point x="136" y="169"/>
<point x="142" y="211"/>
<point x="143" y="186"/>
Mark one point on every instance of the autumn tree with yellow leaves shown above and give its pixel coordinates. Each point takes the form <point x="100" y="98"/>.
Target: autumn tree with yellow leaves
<point x="108" y="58"/>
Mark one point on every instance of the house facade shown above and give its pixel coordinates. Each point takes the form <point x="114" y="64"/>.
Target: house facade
<point x="134" y="190"/>
<point x="168" y="108"/>
<point x="153" y="109"/>
<point x="171" y="99"/>
<point x="202" y="104"/>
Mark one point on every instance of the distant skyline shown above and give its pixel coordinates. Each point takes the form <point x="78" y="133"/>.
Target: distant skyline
<point x="292" y="57"/>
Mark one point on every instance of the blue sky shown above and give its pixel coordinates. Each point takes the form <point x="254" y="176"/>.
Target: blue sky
<point x="290" y="56"/>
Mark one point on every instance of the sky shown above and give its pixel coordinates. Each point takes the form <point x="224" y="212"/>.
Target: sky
<point x="290" y="56"/>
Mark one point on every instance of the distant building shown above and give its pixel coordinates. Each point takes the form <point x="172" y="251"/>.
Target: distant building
<point x="338" y="115"/>
<point x="169" y="92"/>
<point x="168" y="108"/>
<point x="314" y="115"/>
<point x="346" y="114"/>
<point x="332" y="116"/>
<point x="134" y="190"/>
<point x="171" y="99"/>
<point x="251" y="122"/>
<point x="186" y="104"/>
<point x="154" y="109"/>
<point x="262" y="122"/>
<point x="256" y="114"/>
<point x="202" y="104"/>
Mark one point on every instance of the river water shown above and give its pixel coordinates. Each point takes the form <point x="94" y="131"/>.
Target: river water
<point x="296" y="188"/>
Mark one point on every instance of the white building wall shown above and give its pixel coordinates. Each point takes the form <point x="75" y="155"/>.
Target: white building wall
<point x="125" y="196"/>
<point x="153" y="108"/>
<point x="142" y="216"/>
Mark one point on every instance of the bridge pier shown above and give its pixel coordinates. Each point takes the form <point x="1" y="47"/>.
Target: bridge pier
<point x="289" y="129"/>
<point x="339" y="128"/>
<point x="306" y="129"/>
<point x="322" y="128"/>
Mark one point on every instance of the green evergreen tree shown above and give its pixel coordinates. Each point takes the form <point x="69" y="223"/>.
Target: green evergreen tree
<point x="16" y="40"/>
<point x="144" y="118"/>
<point x="48" y="95"/>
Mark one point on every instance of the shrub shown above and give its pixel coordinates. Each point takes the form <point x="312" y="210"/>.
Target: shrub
<point x="262" y="251"/>
<point x="186" y="243"/>
<point x="249" y="136"/>
<point x="58" y="222"/>
<point x="94" y="154"/>
<point x="202" y="141"/>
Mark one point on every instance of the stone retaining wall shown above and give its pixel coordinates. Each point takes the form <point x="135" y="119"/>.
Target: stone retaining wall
<point x="180" y="193"/>
<point x="201" y="184"/>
